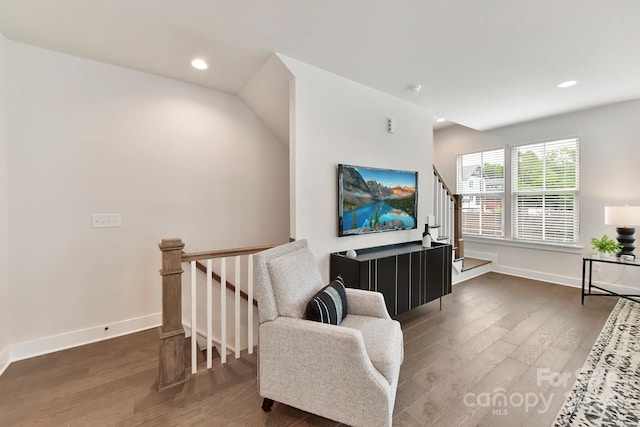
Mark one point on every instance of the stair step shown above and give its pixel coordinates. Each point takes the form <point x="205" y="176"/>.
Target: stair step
<point x="187" y="352"/>
<point x="215" y="354"/>
<point x="470" y="263"/>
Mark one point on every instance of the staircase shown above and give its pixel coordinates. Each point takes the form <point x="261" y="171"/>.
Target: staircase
<point x="447" y="208"/>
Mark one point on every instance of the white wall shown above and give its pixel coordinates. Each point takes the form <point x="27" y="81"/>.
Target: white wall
<point x="336" y="120"/>
<point x="609" y="154"/>
<point x="4" y="221"/>
<point x="173" y="159"/>
<point x="267" y="94"/>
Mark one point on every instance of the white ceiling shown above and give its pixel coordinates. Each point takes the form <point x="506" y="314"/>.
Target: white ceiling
<point x="482" y="64"/>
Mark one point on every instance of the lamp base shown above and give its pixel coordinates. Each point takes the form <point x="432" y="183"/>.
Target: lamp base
<point x="626" y="239"/>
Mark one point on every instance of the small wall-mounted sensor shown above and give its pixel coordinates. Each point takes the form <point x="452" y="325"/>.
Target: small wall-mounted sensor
<point x="391" y="125"/>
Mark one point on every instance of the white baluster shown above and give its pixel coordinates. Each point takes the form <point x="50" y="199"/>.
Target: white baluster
<point x="209" y="314"/>
<point x="449" y="221"/>
<point x="250" y="303"/>
<point x="237" y="307"/>
<point x="436" y="202"/>
<point x="445" y="214"/>
<point x="223" y="310"/>
<point x="442" y="213"/>
<point x="194" y="330"/>
<point x="438" y="205"/>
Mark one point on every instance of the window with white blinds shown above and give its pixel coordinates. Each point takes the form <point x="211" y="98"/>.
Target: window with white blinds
<point x="544" y="191"/>
<point x="480" y="179"/>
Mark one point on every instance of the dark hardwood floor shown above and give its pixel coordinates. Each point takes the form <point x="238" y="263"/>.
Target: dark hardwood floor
<point x="498" y="339"/>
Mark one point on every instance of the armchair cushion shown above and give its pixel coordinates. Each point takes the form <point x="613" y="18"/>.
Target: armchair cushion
<point x="329" y="305"/>
<point x="295" y="279"/>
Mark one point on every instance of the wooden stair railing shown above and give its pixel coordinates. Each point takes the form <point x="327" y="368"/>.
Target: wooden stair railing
<point x="172" y="363"/>
<point x="456" y="199"/>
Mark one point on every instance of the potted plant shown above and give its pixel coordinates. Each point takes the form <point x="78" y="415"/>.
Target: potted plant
<point x="605" y="246"/>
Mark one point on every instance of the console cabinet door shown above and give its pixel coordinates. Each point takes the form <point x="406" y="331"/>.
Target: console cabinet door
<point x="447" y="266"/>
<point x="402" y="283"/>
<point x="386" y="282"/>
<point x="435" y="274"/>
<point x="355" y="274"/>
<point x="416" y="279"/>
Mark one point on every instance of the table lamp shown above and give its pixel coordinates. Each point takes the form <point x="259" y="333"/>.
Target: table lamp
<point x="625" y="218"/>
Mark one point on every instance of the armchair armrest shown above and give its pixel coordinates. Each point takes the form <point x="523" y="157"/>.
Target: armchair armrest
<point x="366" y="303"/>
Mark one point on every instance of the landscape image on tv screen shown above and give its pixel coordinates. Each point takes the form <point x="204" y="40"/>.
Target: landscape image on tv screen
<point x="373" y="200"/>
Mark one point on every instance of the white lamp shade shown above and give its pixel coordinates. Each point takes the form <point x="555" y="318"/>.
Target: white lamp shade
<point x="627" y="216"/>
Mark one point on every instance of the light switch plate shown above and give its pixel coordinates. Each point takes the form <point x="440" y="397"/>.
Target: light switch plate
<point x="105" y="220"/>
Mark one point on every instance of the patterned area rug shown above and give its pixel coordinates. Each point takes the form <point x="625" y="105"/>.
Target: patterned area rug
<point x="607" y="389"/>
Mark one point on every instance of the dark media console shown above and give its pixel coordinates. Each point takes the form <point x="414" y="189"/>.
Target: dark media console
<point x="407" y="274"/>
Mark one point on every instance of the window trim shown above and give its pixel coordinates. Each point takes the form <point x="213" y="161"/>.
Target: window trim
<point x="508" y="194"/>
<point x="575" y="192"/>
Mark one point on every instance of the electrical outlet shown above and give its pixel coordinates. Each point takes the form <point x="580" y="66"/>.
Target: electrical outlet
<point x="105" y="220"/>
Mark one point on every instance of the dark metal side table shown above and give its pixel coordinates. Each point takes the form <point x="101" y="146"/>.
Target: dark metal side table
<point x="587" y="270"/>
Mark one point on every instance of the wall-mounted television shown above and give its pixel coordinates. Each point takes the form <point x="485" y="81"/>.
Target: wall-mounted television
<point x="373" y="200"/>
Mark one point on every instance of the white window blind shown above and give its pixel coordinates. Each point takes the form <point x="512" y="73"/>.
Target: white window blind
<point x="480" y="180"/>
<point x="544" y="191"/>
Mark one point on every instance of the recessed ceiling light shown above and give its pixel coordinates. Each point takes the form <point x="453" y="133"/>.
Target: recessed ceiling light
<point x="200" y="64"/>
<point x="568" y="83"/>
<point x="440" y="119"/>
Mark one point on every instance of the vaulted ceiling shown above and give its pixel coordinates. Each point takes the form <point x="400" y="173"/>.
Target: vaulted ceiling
<point x="483" y="64"/>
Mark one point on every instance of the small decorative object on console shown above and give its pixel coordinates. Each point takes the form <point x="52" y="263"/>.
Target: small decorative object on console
<point x="426" y="237"/>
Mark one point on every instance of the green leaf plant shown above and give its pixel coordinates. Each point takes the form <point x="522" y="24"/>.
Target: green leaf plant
<point x="605" y="244"/>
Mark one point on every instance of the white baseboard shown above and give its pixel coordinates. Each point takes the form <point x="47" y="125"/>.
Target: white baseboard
<point x="5" y="358"/>
<point x="538" y="275"/>
<point x="27" y="349"/>
<point x="574" y="282"/>
<point x="527" y="274"/>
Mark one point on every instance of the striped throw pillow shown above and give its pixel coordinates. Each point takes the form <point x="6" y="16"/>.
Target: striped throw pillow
<point x="329" y="305"/>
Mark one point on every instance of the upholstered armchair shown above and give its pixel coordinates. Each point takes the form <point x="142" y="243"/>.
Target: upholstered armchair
<point x="346" y="372"/>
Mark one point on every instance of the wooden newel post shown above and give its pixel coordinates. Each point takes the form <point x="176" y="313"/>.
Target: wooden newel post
<point x="171" y="370"/>
<point x="457" y="226"/>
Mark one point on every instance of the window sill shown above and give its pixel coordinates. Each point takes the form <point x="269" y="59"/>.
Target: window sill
<point x="555" y="247"/>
